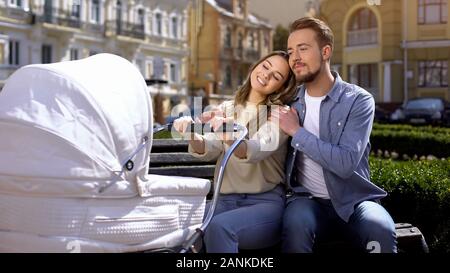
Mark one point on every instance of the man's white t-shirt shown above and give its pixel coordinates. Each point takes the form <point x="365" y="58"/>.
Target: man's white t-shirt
<point x="309" y="173"/>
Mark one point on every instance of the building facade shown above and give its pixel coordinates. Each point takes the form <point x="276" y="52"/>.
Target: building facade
<point x="395" y="49"/>
<point x="150" y="33"/>
<point x="225" y="40"/>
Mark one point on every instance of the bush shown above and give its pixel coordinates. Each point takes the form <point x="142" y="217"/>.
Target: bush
<point x="410" y="140"/>
<point x="163" y="135"/>
<point x="418" y="193"/>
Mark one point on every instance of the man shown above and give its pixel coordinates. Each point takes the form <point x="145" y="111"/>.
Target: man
<point x="327" y="168"/>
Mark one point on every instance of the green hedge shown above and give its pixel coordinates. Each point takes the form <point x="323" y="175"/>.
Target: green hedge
<point x="410" y="140"/>
<point x="163" y="135"/>
<point x="418" y="193"/>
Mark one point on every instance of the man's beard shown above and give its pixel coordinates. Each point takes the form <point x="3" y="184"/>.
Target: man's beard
<point x="311" y="76"/>
<point x="308" y="77"/>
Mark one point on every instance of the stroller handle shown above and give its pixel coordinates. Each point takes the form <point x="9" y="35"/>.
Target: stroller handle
<point x="190" y="243"/>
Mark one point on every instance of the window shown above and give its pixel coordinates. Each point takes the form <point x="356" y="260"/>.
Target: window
<point x="266" y="40"/>
<point x="73" y="54"/>
<point x="16" y="3"/>
<point x="433" y="73"/>
<point x="240" y="41"/>
<point x="76" y="8"/>
<point x="432" y="12"/>
<point x="119" y="11"/>
<point x="227" y="77"/>
<point x="240" y="7"/>
<point x="175" y="27"/>
<point x="95" y="11"/>
<point x="150" y="73"/>
<point x="48" y="11"/>
<point x="158" y="67"/>
<point x="158" y="23"/>
<point x="425" y="103"/>
<point x="251" y="40"/>
<point x="240" y="76"/>
<point x="119" y="17"/>
<point x="14" y="52"/>
<point x="141" y="17"/>
<point x="173" y="73"/>
<point x="366" y="76"/>
<point x="362" y="29"/>
<point x="46" y="54"/>
<point x="227" y="37"/>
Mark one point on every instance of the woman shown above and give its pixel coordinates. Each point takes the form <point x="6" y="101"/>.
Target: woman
<point x="250" y="207"/>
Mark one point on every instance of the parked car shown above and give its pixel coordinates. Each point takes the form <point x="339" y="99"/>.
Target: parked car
<point x="381" y="115"/>
<point x="427" y="110"/>
<point x="398" y="116"/>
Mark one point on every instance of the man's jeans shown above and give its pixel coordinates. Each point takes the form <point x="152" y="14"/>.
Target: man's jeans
<point x="308" y="219"/>
<point x="245" y="221"/>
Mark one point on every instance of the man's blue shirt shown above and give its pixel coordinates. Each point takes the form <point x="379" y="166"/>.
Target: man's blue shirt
<point x="346" y="119"/>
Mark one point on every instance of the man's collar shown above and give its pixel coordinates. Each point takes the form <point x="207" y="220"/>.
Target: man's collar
<point x="335" y="92"/>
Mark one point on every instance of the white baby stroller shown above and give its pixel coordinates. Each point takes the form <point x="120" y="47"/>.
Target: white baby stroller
<point x="75" y="139"/>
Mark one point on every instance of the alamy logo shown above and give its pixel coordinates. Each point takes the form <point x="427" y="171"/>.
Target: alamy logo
<point x="256" y="118"/>
<point x="374" y="247"/>
<point x="74" y="246"/>
<point x="373" y="2"/>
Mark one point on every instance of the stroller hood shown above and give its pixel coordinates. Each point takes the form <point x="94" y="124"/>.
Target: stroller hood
<point x="75" y="139"/>
<point x="68" y="128"/>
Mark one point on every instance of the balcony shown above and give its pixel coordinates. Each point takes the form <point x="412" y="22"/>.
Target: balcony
<point x="126" y="29"/>
<point x="226" y="53"/>
<point x="251" y="55"/>
<point x="60" y="17"/>
<point x="174" y="43"/>
<point x="363" y="37"/>
<point x="94" y="28"/>
<point x="16" y="13"/>
<point x="238" y="53"/>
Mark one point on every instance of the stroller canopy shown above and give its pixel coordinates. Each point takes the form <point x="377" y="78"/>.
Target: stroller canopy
<point x="75" y="139"/>
<point x="68" y="128"/>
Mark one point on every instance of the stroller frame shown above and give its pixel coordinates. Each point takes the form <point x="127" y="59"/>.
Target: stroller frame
<point x="192" y="245"/>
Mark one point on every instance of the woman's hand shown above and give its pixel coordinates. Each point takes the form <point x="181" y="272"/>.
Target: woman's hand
<point x="207" y="116"/>
<point x="227" y="137"/>
<point x="182" y="124"/>
<point x="196" y="141"/>
<point x="217" y="123"/>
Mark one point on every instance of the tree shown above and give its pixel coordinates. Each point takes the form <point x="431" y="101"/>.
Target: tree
<point x="280" y="38"/>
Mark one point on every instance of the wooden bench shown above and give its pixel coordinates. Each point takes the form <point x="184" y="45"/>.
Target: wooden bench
<point x="171" y="157"/>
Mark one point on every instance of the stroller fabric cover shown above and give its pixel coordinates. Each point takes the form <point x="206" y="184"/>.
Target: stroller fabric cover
<point x="75" y="139"/>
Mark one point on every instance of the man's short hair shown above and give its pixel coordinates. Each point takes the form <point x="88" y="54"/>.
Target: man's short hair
<point x="323" y="32"/>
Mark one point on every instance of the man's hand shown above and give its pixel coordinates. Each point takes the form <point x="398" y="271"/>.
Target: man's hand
<point x="287" y="118"/>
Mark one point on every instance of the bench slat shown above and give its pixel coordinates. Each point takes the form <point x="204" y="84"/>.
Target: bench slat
<point x="169" y="145"/>
<point x="176" y="158"/>
<point x="202" y="171"/>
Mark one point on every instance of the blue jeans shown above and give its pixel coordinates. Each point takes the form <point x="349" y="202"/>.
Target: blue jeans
<point x="245" y="221"/>
<point x="308" y="219"/>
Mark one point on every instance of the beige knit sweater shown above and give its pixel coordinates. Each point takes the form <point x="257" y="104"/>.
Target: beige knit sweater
<point x="263" y="167"/>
